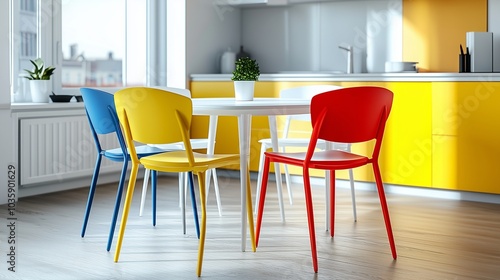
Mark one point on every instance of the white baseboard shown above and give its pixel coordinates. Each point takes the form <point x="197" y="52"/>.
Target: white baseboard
<point x="412" y="191"/>
<point x="397" y="189"/>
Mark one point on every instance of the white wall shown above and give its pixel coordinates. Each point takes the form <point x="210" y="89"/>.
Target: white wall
<point x="176" y="44"/>
<point x="211" y="29"/>
<point x="5" y="120"/>
<point x="307" y="36"/>
<point x="494" y="26"/>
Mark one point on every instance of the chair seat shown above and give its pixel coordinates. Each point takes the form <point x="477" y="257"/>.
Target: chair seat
<point x="177" y="161"/>
<point x="195" y="145"/>
<point x="322" y="159"/>
<point x="302" y="142"/>
<point x="143" y="150"/>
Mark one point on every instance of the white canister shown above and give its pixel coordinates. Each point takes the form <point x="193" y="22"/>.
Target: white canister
<point x="227" y="61"/>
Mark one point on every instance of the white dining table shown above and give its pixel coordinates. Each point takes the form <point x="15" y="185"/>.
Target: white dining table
<point x="244" y="110"/>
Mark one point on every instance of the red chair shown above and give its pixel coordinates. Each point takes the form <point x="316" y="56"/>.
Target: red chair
<point x="348" y="115"/>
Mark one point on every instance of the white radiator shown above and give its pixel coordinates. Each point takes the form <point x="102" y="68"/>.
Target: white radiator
<point x="57" y="148"/>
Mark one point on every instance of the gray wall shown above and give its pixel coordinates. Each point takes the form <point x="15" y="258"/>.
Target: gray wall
<point x="299" y="37"/>
<point x="494" y="26"/>
<point x="211" y="28"/>
<point x="306" y="36"/>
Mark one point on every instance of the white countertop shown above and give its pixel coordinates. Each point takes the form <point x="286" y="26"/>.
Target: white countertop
<point x="320" y="76"/>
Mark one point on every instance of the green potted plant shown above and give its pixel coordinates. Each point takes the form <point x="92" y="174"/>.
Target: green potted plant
<point x="245" y="75"/>
<point x="40" y="80"/>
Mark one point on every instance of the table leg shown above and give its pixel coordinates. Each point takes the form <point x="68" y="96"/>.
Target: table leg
<point x="329" y="146"/>
<point x="244" y="122"/>
<point x="274" y="142"/>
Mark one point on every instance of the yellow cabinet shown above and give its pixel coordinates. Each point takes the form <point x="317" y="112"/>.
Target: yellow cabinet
<point x="406" y="154"/>
<point x="466" y="136"/>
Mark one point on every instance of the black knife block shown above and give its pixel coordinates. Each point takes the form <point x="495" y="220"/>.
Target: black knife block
<point x="464" y="63"/>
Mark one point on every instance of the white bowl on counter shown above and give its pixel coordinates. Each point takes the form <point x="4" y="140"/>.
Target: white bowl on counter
<point x="400" y="66"/>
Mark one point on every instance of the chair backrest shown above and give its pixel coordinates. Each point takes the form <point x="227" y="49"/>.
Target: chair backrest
<point x="302" y="92"/>
<point x="154" y="116"/>
<point x="97" y="104"/>
<point x="351" y="115"/>
<point x="101" y="112"/>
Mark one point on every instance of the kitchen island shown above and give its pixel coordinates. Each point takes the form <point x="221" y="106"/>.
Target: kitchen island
<point x="443" y="131"/>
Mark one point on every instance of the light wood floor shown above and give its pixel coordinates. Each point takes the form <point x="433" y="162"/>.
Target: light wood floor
<point x="435" y="239"/>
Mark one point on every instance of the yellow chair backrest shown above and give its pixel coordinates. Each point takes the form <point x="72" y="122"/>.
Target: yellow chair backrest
<point x="154" y="116"/>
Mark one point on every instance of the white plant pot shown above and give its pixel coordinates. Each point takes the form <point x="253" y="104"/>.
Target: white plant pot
<point x="40" y="91"/>
<point x="244" y="90"/>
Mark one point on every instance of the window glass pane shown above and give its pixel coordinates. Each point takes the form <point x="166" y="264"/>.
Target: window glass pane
<point x="136" y="42"/>
<point x="94" y="38"/>
<point x="26" y="41"/>
<point x="24" y="45"/>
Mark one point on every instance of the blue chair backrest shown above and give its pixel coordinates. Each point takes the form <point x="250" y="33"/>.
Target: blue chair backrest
<point x="101" y="112"/>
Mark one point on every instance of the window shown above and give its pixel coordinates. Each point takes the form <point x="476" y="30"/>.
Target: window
<point x="25" y="43"/>
<point x="102" y="40"/>
<point x="90" y="42"/>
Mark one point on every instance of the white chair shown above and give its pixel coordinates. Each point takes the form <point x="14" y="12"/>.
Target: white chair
<point x="302" y="92"/>
<point x="201" y="143"/>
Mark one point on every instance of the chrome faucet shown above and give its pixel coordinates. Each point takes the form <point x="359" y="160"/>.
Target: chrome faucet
<point x="349" y="58"/>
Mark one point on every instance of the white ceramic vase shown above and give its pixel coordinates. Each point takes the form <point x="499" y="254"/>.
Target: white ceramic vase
<point x="244" y="90"/>
<point x="40" y="91"/>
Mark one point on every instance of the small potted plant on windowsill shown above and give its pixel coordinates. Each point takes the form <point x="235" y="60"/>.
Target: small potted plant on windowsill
<point x="40" y="81"/>
<point x="244" y="76"/>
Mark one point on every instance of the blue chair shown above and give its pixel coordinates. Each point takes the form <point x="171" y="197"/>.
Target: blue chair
<point x="101" y="113"/>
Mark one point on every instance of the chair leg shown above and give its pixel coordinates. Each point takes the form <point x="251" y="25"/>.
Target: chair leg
<point x="351" y="180"/>
<point x="288" y="184"/>
<point x="181" y="189"/>
<point x="217" y="194"/>
<point x="310" y="218"/>
<point x="332" y="202"/>
<point x="182" y="198"/>
<point x="287" y="180"/>
<point x="153" y="193"/>
<point x="216" y="187"/>
<point x="126" y="208"/>
<point x="327" y="198"/>
<point x="262" y="198"/>
<point x="90" y="198"/>
<point x="353" y="195"/>
<point x="259" y="175"/>
<point x="193" y="203"/>
<point x="279" y="191"/>
<point x="117" y="204"/>
<point x="385" y="209"/>
<point x="250" y="212"/>
<point x="144" y="190"/>
<point x="201" y="246"/>
<point x="183" y="181"/>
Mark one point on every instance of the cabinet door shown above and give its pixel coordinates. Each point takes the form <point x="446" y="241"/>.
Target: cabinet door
<point x="57" y="148"/>
<point x="466" y="134"/>
<point x="406" y="153"/>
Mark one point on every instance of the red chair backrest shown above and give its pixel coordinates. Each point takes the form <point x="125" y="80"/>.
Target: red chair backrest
<point x="351" y="115"/>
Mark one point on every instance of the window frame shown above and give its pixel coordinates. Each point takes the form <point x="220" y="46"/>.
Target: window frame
<point x="49" y="46"/>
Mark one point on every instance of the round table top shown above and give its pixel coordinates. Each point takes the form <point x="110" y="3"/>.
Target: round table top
<point x="258" y="106"/>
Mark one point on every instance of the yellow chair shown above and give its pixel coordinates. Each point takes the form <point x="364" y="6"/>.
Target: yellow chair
<point x="155" y="116"/>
